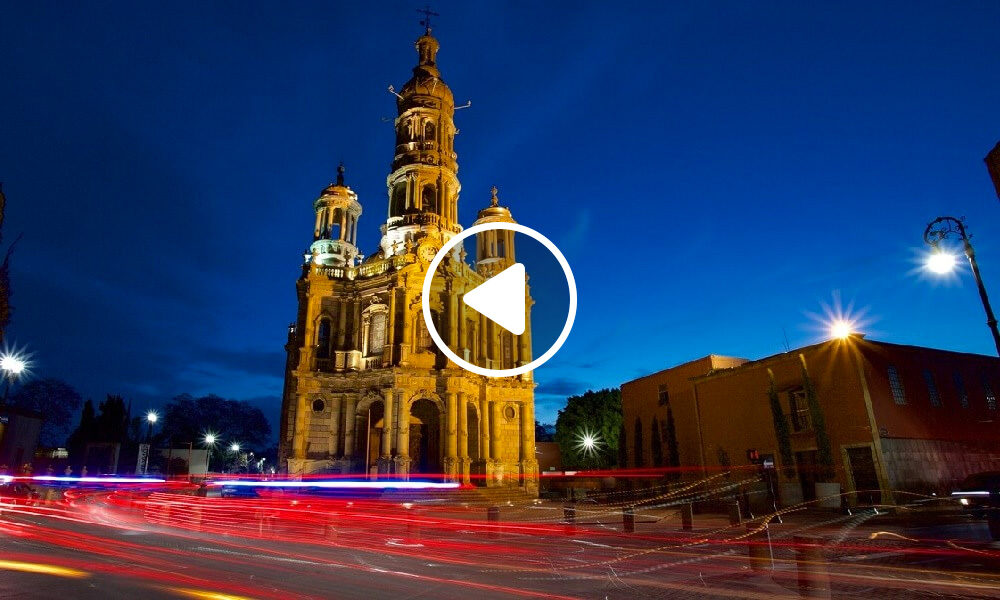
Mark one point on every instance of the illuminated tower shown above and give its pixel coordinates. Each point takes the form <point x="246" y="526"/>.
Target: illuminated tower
<point x="423" y="186"/>
<point x="336" y="233"/>
<point x="367" y="392"/>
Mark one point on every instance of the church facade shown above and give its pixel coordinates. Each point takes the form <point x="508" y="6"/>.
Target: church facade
<point x="366" y="389"/>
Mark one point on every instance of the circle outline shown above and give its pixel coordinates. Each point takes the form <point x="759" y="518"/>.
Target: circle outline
<point x="426" y="291"/>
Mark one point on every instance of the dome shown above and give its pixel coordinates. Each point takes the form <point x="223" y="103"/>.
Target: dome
<point x="494" y="212"/>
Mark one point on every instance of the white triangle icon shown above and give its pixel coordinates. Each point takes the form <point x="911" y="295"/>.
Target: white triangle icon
<point x="501" y="298"/>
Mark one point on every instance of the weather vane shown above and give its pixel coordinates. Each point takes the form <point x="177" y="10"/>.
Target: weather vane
<point x="428" y="13"/>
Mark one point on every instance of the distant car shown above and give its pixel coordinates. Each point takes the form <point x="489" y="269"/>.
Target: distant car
<point x="980" y="495"/>
<point x="238" y="491"/>
<point x="15" y="492"/>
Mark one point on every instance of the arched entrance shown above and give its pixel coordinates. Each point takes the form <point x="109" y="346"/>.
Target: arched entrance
<point x="425" y="437"/>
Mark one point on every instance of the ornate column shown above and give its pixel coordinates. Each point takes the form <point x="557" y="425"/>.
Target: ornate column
<point x="335" y="426"/>
<point x="342" y="327"/>
<point x="453" y="311"/>
<point x="390" y="327"/>
<point x="484" y="429"/>
<point x="529" y="462"/>
<point x="497" y="462"/>
<point x="402" y="435"/>
<point x="350" y="407"/>
<point x="388" y="432"/>
<point x="451" y="435"/>
<point x="463" y="437"/>
<point x="483" y="337"/>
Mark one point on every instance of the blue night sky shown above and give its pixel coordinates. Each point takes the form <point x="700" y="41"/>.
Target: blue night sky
<point x="716" y="173"/>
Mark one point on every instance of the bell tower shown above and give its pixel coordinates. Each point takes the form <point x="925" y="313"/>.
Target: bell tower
<point x="494" y="248"/>
<point x="423" y="185"/>
<point x="335" y="236"/>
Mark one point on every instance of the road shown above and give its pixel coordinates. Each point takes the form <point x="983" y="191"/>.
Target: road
<point x="166" y="544"/>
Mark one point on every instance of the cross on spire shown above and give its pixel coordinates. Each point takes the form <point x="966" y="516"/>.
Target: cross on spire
<point x="428" y="13"/>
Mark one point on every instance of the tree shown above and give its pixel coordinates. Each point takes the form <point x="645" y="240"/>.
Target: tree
<point x="670" y="437"/>
<point x="56" y="401"/>
<point x="824" y="454"/>
<point x="598" y="414"/>
<point x="656" y="443"/>
<point x="781" y="432"/>
<point x="186" y="419"/>
<point x="83" y="434"/>
<point x="640" y="460"/>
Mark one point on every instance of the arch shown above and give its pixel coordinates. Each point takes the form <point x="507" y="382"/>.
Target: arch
<point x="324" y="333"/>
<point x="429" y="131"/>
<point x="426" y="436"/>
<point x="397" y="199"/>
<point x="368" y="398"/>
<point x="428" y="198"/>
<point x="426" y="395"/>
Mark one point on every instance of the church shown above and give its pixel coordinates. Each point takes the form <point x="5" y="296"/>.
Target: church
<point x="366" y="389"/>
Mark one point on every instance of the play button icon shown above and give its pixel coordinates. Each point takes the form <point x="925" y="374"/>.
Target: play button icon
<point x="501" y="299"/>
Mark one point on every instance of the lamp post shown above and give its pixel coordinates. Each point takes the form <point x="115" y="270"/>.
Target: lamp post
<point x="209" y="443"/>
<point x="151" y="419"/>
<point x="12" y="366"/>
<point x="941" y="262"/>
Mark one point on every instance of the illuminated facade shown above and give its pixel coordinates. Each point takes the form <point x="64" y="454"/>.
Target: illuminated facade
<point x="366" y="390"/>
<point x="899" y="418"/>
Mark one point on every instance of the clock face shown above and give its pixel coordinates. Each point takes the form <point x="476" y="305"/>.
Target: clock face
<point x="426" y="252"/>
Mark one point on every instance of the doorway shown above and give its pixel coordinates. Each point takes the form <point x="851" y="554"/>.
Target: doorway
<point x="425" y="437"/>
<point x="864" y="475"/>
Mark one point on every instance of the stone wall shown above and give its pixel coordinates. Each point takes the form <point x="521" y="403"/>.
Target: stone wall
<point x="924" y="466"/>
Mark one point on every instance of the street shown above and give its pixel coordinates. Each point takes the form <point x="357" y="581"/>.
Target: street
<point x="169" y="544"/>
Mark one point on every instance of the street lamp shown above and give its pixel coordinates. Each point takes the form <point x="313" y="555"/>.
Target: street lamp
<point x="209" y="443"/>
<point x="151" y="419"/>
<point x="12" y="366"/>
<point x="841" y="329"/>
<point x="941" y="262"/>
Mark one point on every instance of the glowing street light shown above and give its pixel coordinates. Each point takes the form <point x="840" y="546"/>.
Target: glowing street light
<point x="151" y="419"/>
<point x="209" y="443"/>
<point x="210" y="439"/>
<point x="939" y="229"/>
<point x="12" y="366"/>
<point x="235" y="447"/>
<point x="941" y="262"/>
<point x="841" y="329"/>
<point x="587" y="442"/>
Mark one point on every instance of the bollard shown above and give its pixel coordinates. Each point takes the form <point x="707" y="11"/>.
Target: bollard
<point x="735" y="517"/>
<point x="569" y="514"/>
<point x="493" y="516"/>
<point x="814" y="579"/>
<point x="759" y="548"/>
<point x="687" y="516"/>
<point x="628" y="519"/>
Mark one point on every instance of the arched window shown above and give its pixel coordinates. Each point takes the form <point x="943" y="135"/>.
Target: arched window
<point x="501" y="250"/>
<point x="398" y="201"/>
<point x="376" y="333"/>
<point x="428" y="199"/>
<point x="639" y="461"/>
<point x="323" y="339"/>
<point x="429" y="131"/>
<point x="319" y="406"/>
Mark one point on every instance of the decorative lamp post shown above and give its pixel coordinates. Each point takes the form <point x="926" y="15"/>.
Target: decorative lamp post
<point x="941" y="262"/>
<point x="12" y="366"/>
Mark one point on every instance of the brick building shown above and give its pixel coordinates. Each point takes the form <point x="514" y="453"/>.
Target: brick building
<point x="900" y="419"/>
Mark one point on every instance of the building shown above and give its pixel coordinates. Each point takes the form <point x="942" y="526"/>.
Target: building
<point x="19" y="433"/>
<point x="366" y="390"/>
<point x="900" y="419"/>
